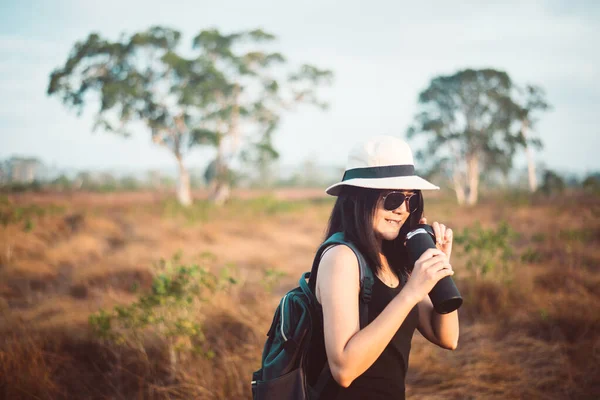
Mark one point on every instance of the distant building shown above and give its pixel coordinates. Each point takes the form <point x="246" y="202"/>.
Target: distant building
<point x="21" y="170"/>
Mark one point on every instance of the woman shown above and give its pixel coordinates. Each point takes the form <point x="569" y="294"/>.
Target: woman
<point x="379" y="200"/>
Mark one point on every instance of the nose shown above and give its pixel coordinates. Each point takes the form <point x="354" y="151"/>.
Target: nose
<point x="403" y="207"/>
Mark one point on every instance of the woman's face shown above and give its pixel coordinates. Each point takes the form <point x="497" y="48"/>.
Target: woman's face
<point x="387" y="223"/>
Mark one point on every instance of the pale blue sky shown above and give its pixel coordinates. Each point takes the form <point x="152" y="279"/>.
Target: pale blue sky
<point x="382" y="52"/>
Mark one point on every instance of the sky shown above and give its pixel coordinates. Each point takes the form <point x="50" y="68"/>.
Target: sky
<point x="383" y="53"/>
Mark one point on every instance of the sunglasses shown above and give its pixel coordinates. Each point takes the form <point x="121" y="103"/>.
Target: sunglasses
<point x="393" y="200"/>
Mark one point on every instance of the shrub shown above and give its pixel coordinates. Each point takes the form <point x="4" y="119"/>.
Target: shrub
<point x="271" y="278"/>
<point x="592" y="182"/>
<point x="486" y="249"/>
<point x="167" y="312"/>
<point x="552" y="183"/>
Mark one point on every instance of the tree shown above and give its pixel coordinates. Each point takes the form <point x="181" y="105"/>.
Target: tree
<point x="534" y="100"/>
<point x="249" y="100"/>
<point x="591" y="182"/>
<point x="202" y="99"/>
<point x="468" y="120"/>
<point x="552" y="183"/>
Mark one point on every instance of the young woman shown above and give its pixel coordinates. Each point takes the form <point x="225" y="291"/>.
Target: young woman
<point x="379" y="201"/>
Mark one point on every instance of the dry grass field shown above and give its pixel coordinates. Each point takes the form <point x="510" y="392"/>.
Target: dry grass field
<point x="530" y="325"/>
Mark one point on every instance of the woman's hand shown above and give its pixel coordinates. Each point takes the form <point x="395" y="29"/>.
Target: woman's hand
<point x="443" y="235"/>
<point x="432" y="266"/>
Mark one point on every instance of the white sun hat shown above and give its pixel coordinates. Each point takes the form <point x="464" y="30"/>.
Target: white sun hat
<point x="382" y="162"/>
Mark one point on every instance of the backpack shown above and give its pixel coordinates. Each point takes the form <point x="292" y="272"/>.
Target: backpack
<point x="294" y="363"/>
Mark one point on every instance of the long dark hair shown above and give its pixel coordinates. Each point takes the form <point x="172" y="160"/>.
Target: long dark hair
<point x="353" y="214"/>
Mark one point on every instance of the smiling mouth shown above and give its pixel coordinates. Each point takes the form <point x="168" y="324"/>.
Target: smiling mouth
<point x="393" y="222"/>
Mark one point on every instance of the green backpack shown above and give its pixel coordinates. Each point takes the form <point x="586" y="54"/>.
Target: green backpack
<point x="294" y="363"/>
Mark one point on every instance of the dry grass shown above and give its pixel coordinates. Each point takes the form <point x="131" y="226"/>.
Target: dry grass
<point x="536" y="335"/>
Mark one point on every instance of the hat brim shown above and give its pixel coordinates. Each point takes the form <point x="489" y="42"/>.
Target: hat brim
<point x="397" y="182"/>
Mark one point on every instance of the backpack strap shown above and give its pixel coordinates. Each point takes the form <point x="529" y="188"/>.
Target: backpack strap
<point x="366" y="290"/>
<point x="365" y="274"/>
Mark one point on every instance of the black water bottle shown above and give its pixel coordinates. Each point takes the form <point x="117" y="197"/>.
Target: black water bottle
<point x="444" y="295"/>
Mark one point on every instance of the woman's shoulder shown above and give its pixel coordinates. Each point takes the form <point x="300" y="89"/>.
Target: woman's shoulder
<point x="338" y="254"/>
<point x="339" y="261"/>
<point x="338" y="267"/>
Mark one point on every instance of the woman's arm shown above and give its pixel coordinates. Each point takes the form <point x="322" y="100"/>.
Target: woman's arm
<point x="437" y="328"/>
<point x="440" y="329"/>
<point x="350" y="350"/>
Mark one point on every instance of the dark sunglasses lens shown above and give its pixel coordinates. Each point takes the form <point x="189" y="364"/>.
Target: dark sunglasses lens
<point x="393" y="201"/>
<point x="413" y="203"/>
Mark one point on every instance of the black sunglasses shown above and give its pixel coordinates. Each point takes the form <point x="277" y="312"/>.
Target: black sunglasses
<point x="393" y="200"/>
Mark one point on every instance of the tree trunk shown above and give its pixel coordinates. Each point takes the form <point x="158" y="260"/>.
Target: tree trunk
<point x="459" y="188"/>
<point x="528" y="153"/>
<point x="219" y="188"/>
<point x="183" y="185"/>
<point x="234" y="125"/>
<point x="460" y="195"/>
<point x="221" y="193"/>
<point x="473" y="177"/>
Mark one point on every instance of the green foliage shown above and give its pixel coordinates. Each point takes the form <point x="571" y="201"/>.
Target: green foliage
<point x="21" y="187"/>
<point x="29" y="225"/>
<point x="575" y="235"/>
<point x="105" y="182"/>
<point x="203" y="210"/>
<point x="168" y="311"/>
<point x="517" y="198"/>
<point x="62" y="183"/>
<point x="532" y="100"/>
<point x="267" y="205"/>
<point x="539" y="237"/>
<point x="474" y="122"/>
<point x="471" y="112"/>
<point x="129" y="183"/>
<point x="552" y="183"/>
<point x="199" y="211"/>
<point x="531" y="255"/>
<point x="220" y="173"/>
<point x="27" y="214"/>
<point x="227" y="83"/>
<point x="271" y="278"/>
<point x="591" y="183"/>
<point x="486" y="249"/>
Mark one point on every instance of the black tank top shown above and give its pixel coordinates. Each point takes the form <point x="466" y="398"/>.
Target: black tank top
<point x="384" y="380"/>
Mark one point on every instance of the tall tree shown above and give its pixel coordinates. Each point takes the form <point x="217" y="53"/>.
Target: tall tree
<point x="533" y="100"/>
<point x="249" y="102"/>
<point x="467" y="119"/>
<point x="201" y="99"/>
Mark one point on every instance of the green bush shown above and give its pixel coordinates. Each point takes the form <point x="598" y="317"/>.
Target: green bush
<point x="198" y="211"/>
<point x="530" y="255"/>
<point x="271" y="278"/>
<point x="486" y="249"/>
<point x="269" y="205"/>
<point x="539" y="237"/>
<point x="592" y="183"/>
<point x="575" y="235"/>
<point x="552" y="183"/>
<point x="20" y="187"/>
<point x="203" y="210"/>
<point x="168" y="311"/>
<point x="13" y="214"/>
